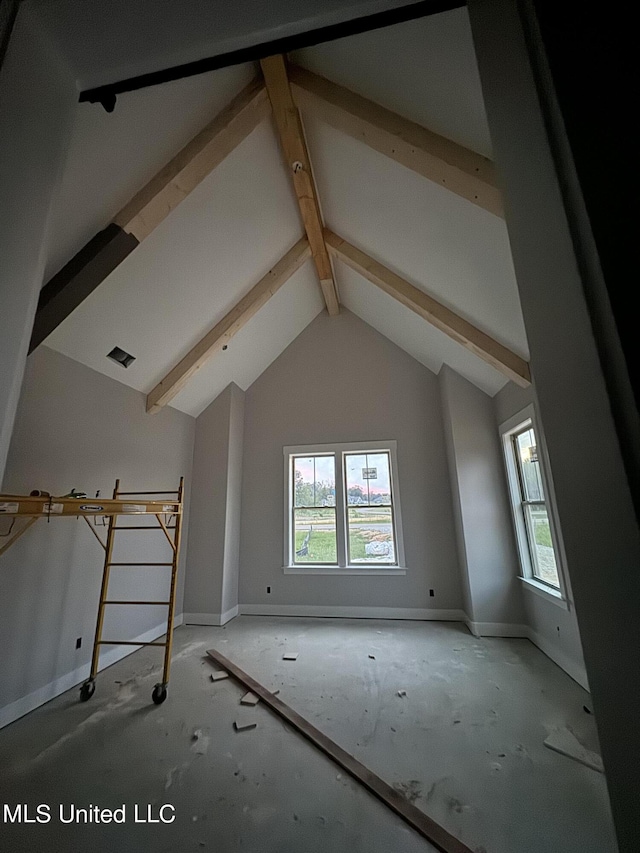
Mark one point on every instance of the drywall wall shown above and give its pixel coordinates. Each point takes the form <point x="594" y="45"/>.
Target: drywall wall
<point x="340" y="380"/>
<point x="230" y="575"/>
<point x="599" y="527"/>
<point x="485" y="536"/>
<point x="37" y="100"/>
<point x="211" y="588"/>
<point x="552" y="628"/>
<point x="76" y="428"/>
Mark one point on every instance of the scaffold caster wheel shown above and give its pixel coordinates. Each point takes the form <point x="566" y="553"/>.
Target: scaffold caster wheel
<point x="159" y="694"/>
<point x="87" y="690"/>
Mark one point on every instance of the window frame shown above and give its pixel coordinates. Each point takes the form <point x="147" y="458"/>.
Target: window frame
<point x="339" y="451"/>
<point x="515" y="425"/>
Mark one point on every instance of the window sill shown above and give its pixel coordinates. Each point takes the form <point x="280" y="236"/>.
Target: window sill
<point x="348" y="570"/>
<point x="551" y="595"/>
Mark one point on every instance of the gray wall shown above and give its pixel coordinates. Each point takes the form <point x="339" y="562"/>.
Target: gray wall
<point x="599" y="527"/>
<point x="485" y="534"/>
<point x="37" y="100"/>
<point x="230" y="575"/>
<point x="211" y="588"/>
<point x="76" y="428"/>
<point x="554" y="630"/>
<point x="340" y="380"/>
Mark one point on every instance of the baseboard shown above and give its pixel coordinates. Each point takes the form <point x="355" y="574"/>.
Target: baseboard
<point x="573" y="669"/>
<point x="65" y="682"/>
<point x="496" y="629"/>
<point x="328" y="611"/>
<point x="212" y="619"/>
<point x="501" y="629"/>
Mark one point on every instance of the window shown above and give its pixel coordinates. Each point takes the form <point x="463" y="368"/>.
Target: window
<point x="342" y="510"/>
<point x="534" y="524"/>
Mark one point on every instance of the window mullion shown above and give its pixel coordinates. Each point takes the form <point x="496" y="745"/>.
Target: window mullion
<point x="341" y="522"/>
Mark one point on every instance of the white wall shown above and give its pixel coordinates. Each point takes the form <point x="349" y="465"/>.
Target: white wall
<point x="211" y="588"/>
<point x="485" y="536"/>
<point x="76" y="428"/>
<point x="599" y="527"/>
<point x="552" y="628"/>
<point x="37" y="99"/>
<point x="340" y="380"/>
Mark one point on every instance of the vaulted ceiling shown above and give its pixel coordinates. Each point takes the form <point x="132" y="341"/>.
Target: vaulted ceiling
<point x="227" y="234"/>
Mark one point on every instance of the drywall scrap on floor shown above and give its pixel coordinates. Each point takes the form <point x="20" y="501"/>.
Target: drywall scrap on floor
<point x="392" y="798"/>
<point x="566" y="743"/>
<point x="219" y="676"/>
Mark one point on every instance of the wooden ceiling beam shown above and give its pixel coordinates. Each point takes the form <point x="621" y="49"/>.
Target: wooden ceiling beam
<point x="291" y="133"/>
<point x="223" y="331"/>
<point x="184" y="172"/>
<point x="148" y="208"/>
<point x="454" y="167"/>
<point x="479" y="343"/>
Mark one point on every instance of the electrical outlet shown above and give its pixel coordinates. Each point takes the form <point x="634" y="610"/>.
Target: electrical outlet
<point x="431" y="593"/>
<point x="78" y="642"/>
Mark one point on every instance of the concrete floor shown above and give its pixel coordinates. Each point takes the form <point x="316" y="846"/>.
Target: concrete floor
<point x="465" y="744"/>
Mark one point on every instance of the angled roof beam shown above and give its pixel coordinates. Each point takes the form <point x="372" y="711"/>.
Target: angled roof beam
<point x="223" y="331"/>
<point x="460" y="170"/>
<point x="146" y="210"/>
<point x="293" y="143"/>
<point x="485" y="347"/>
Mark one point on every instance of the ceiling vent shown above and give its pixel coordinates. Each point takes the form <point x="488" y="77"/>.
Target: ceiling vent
<point x="121" y="357"/>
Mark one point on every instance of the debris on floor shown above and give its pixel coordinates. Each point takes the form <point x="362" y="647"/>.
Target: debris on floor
<point x="402" y="693"/>
<point x="411" y="791"/>
<point x="249" y="699"/>
<point x="218" y="676"/>
<point x="290" y="656"/>
<point x="199" y="742"/>
<point x="566" y="743"/>
<point x="373" y="657"/>
<point x="244" y="725"/>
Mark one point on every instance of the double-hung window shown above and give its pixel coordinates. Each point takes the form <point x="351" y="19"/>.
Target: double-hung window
<point x="342" y="509"/>
<point x="536" y="532"/>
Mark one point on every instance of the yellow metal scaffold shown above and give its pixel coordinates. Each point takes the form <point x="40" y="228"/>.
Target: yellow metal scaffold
<point x="40" y="505"/>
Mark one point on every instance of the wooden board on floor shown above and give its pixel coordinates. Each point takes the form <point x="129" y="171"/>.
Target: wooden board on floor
<point x="418" y="820"/>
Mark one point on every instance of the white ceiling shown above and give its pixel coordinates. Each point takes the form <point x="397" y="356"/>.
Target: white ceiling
<point x="107" y="40"/>
<point x="229" y="232"/>
<point x="424" y="70"/>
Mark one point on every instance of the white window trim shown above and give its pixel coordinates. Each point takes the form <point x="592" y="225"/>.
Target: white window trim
<point x="289" y="568"/>
<point x="559" y="596"/>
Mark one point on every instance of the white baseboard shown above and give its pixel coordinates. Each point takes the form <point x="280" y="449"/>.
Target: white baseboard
<point x="65" y="682"/>
<point x="213" y="619"/>
<point x="573" y="669"/>
<point x="497" y="629"/>
<point x="328" y="611"/>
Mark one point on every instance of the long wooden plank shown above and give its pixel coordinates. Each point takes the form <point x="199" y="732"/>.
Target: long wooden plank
<point x="223" y="331"/>
<point x="453" y="166"/>
<point x="418" y="820"/>
<point x="148" y="208"/>
<point x="476" y="341"/>
<point x="195" y="161"/>
<point x="296" y="154"/>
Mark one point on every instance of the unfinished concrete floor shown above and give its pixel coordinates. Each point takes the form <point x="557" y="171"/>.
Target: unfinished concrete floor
<point x="465" y="744"/>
